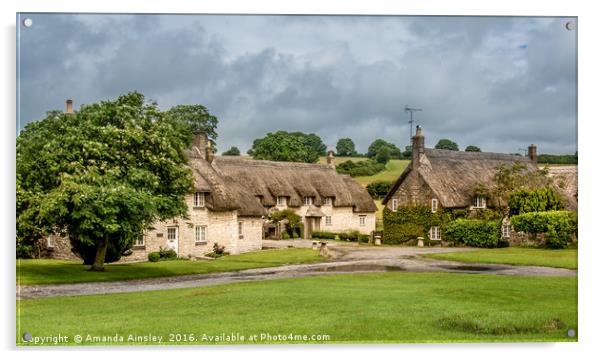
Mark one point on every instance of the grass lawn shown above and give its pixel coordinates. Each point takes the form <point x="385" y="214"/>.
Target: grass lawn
<point x="369" y="307"/>
<point x="560" y="258"/>
<point x="390" y="174"/>
<point x="51" y="271"/>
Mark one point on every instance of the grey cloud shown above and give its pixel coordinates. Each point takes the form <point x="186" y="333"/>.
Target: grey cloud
<point x="334" y="76"/>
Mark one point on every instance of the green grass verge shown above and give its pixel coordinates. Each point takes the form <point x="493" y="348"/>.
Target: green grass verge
<point x="390" y="174"/>
<point x="559" y="258"/>
<point x="356" y="308"/>
<point x="50" y="271"/>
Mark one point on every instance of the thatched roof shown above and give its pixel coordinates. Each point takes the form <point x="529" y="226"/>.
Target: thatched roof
<point x="566" y="180"/>
<point x="270" y="179"/>
<point x="453" y="175"/>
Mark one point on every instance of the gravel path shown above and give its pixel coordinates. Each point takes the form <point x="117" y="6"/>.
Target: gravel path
<point x="346" y="258"/>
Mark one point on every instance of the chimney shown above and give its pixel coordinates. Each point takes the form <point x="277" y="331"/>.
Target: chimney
<point x="69" y="106"/>
<point x="330" y="160"/>
<point x="209" y="152"/>
<point x="200" y="142"/>
<point x="533" y="153"/>
<point x="417" y="145"/>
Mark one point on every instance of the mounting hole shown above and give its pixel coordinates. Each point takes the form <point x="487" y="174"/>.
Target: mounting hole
<point x="570" y="26"/>
<point x="27" y="22"/>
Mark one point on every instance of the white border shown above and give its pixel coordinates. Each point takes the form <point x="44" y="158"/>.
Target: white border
<point x="589" y="114"/>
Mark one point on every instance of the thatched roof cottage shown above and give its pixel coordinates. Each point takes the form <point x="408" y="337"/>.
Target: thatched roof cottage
<point x="447" y="179"/>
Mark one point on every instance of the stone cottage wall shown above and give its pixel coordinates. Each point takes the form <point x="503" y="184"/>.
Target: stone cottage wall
<point x="413" y="191"/>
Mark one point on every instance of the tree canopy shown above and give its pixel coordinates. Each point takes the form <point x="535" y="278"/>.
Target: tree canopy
<point x="195" y="116"/>
<point x="472" y="148"/>
<point x="446" y="144"/>
<point x="288" y="146"/>
<point x="233" y="151"/>
<point x="346" y="147"/>
<point x="102" y="175"/>
<point x="394" y="151"/>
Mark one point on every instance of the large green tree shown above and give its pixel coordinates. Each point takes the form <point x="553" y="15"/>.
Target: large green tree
<point x="346" y="147"/>
<point x="375" y="147"/>
<point x="103" y="174"/>
<point x="446" y="144"/>
<point x="287" y="146"/>
<point x="233" y="151"/>
<point x="195" y="116"/>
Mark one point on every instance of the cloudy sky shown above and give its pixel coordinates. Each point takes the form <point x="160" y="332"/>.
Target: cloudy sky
<point x="498" y="83"/>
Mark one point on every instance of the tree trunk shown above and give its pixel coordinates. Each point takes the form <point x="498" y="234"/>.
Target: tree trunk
<point x="101" y="251"/>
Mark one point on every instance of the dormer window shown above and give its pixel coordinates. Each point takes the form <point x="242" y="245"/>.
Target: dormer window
<point x="281" y="201"/>
<point x="308" y="200"/>
<point x="478" y="202"/>
<point x="328" y="201"/>
<point x="199" y="199"/>
<point x="434" y="205"/>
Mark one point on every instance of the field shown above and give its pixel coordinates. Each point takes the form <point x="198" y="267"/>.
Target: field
<point x="358" y="308"/>
<point x="50" y="271"/>
<point x="559" y="258"/>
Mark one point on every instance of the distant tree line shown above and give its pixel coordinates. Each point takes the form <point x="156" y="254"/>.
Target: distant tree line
<point x="557" y="159"/>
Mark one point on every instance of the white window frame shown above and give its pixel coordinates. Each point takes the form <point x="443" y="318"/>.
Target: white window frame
<point x="328" y="220"/>
<point x="394" y="204"/>
<point x="281" y="201"/>
<point x="308" y="200"/>
<point x="435" y="233"/>
<point x="49" y="242"/>
<point x="328" y="201"/>
<point x="362" y="220"/>
<point x="175" y="233"/>
<point x="506" y="230"/>
<point x="241" y="231"/>
<point x="479" y="202"/>
<point x="140" y="241"/>
<point x="434" y="205"/>
<point x="200" y="234"/>
<point x="199" y="199"/>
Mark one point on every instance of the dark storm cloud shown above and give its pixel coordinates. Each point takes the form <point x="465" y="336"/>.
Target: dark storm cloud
<point x="498" y="83"/>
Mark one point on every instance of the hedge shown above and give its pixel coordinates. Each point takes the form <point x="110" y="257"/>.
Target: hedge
<point x="349" y="236"/>
<point x="474" y="232"/>
<point x="539" y="200"/>
<point x="558" y="227"/>
<point x="378" y="189"/>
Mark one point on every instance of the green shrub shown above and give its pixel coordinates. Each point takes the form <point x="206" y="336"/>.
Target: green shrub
<point x="218" y="251"/>
<point x="538" y="200"/>
<point x="360" y="168"/>
<point x="167" y="254"/>
<point x="154" y="257"/>
<point x="378" y="189"/>
<point x="558" y="227"/>
<point x="474" y="232"/>
<point x="323" y="235"/>
<point x="364" y="238"/>
<point x="285" y="235"/>
<point x="353" y="236"/>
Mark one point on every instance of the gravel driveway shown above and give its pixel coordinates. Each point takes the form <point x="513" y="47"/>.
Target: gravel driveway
<point x="345" y="258"/>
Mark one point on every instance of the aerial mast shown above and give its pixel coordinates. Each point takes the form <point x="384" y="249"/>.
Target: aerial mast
<point x="411" y="121"/>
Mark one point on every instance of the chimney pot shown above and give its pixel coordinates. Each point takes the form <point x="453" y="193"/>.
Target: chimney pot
<point x="532" y="153"/>
<point x="69" y="103"/>
<point x="330" y="159"/>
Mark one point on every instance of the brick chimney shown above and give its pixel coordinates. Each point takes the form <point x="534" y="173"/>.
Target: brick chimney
<point x="200" y="142"/>
<point x="209" y="152"/>
<point x="533" y="153"/>
<point x="417" y="145"/>
<point x="330" y="159"/>
<point x="69" y="104"/>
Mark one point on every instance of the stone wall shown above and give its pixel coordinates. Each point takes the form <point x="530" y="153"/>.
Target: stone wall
<point x="414" y="191"/>
<point x="56" y="247"/>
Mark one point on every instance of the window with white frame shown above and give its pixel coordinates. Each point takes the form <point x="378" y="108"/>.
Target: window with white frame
<point x="328" y="220"/>
<point x="241" y="234"/>
<point x="505" y="230"/>
<point x="362" y="220"/>
<point x="394" y="204"/>
<point x="434" y="205"/>
<point x="49" y="242"/>
<point x="281" y="201"/>
<point x="478" y="202"/>
<point x="328" y="201"/>
<point x="139" y="242"/>
<point x="171" y="233"/>
<point x="200" y="234"/>
<point x="435" y="233"/>
<point x="308" y="200"/>
<point x="199" y="199"/>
